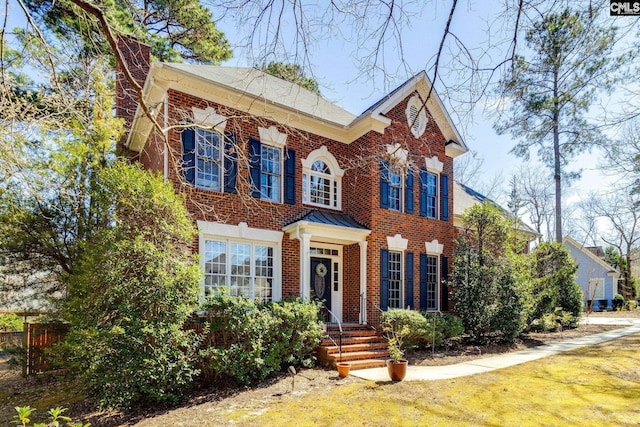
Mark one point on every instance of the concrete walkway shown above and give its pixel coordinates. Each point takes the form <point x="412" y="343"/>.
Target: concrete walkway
<point x="478" y="366"/>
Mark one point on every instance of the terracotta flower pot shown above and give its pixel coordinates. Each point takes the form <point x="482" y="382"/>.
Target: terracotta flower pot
<point x="397" y="370"/>
<point x="343" y="369"/>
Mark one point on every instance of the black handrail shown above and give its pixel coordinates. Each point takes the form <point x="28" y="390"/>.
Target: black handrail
<point x="339" y="328"/>
<point x="373" y="318"/>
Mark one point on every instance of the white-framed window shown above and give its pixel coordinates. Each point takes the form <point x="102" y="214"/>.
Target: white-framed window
<point x="396" y="283"/>
<point x="596" y="288"/>
<point x="322" y="180"/>
<point x="242" y="268"/>
<point x="209" y="160"/>
<point x="271" y="173"/>
<point x="431" y="193"/>
<point x="396" y="190"/>
<point x="242" y="260"/>
<point x="432" y="283"/>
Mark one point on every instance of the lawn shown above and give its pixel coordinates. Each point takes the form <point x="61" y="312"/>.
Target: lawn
<point x="594" y="386"/>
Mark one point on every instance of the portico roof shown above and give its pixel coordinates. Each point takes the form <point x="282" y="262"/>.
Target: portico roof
<point x="328" y="227"/>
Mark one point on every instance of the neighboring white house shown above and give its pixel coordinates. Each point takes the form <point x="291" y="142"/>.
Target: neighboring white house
<point x="597" y="279"/>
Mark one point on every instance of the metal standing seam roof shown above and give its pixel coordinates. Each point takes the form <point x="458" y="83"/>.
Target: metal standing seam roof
<point x="331" y="218"/>
<point x="259" y="84"/>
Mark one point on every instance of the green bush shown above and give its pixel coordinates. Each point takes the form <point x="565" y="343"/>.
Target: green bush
<point x="509" y="318"/>
<point x="56" y="418"/>
<point x="553" y="321"/>
<point x="10" y="322"/>
<point x="618" y="302"/>
<point x="134" y="287"/>
<point x="446" y="326"/>
<point x="417" y="334"/>
<point x="246" y="341"/>
<point x="631" y="304"/>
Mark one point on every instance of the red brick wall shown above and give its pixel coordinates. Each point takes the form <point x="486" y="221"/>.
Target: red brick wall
<point x="360" y="193"/>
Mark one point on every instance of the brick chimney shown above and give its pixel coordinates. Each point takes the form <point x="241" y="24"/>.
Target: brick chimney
<point x="136" y="56"/>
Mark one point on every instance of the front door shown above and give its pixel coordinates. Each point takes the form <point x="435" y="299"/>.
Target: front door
<point x="321" y="283"/>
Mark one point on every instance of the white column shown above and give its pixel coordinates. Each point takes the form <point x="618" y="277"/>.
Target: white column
<point x="363" y="281"/>
<point x="305" y="266"/>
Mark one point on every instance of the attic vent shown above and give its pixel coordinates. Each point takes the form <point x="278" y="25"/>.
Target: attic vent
<point x="416" y="116"/>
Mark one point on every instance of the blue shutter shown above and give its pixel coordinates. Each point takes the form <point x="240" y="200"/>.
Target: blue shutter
<point x="423" y="281"/>
<point x="408" y="190"/>
<point x="384" y="184"/>
<point x="423" y="193"/>
<point x="230" y="162"/>
<point x="254" y="166"/>
<point x="384" y="279"/>
<point x="444" y="277"/>
<point x="408" y="280"/>
<point x="290" y="177"/>
<point x="189" y="155"/>
<point x="444" y="197"/>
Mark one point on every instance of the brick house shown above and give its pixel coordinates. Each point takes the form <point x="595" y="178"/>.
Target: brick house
<point x="294" y="196"/>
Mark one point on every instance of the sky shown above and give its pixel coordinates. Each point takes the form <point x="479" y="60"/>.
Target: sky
<point x="335" y="65"/>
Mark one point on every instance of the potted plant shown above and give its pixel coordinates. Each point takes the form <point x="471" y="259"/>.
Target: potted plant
<point x="343" y="369"/>
<point x="397" y="365"/>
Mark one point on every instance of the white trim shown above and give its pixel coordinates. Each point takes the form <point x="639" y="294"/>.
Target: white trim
<point x="363" y="281"/>
<point x="209" y="117"/>
<point x="397" y="243"/>
<point x="433" y="164"/>
<point x="329" y="159"/>
<point x="165" y="144"/>
<point x="242" y="232"/>
<point x="433" y="247"/>
<point x="272" y="136"/>
<point x="438" y="282"/>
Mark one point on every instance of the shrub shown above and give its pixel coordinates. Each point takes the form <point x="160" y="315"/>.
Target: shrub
<point x="131" y="293"/>
<point x="56" y="417"/>
<point x="446" y="326"/>
<point x="246" y="341"/>
<point x="10" y="322"/>
<point x="618" y="302"/>
<point x="509" y="318"/>
<point x="412" y="325"/>
<point x="630" y="304"/>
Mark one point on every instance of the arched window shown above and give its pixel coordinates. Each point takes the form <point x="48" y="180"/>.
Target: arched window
<point x="322" y="180"/>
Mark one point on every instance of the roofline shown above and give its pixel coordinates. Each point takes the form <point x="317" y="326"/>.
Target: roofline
<point x="587" y="252"/>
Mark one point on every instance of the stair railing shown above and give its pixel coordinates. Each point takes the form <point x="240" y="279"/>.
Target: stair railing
<point x="339" y="344"/>
<point x="373" y="316"/>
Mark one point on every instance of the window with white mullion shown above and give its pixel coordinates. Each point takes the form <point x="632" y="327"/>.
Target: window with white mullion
<point x="432" y="282"/>
<point x="271" y="173"/>
<point x="209" y="158"/>
<point x="240" y="270"/>
<point x="215" y="267"/>
<point x="432" y="195"/>
<point x="396" y="190"/>
<point x="395" y="279"/>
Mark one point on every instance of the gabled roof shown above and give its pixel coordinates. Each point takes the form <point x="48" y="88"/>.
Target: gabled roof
<point x="260" y="94"/>
<point x="464" y="197"/>
<point x="589" y="254"/>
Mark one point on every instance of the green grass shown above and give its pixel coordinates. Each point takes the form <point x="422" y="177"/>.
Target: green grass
<point x="595" y="386"/>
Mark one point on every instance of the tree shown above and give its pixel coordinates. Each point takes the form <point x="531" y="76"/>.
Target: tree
<point x="620" y="211"/>
<point x="175" y="29"/>
<point x="134" y="287"/>
<point x="553" y="274"/>
<point x="551" y="90"/>
<point x="537" y="200"/>
<point x="485" y="295"/>
<point x="292" y="73"/>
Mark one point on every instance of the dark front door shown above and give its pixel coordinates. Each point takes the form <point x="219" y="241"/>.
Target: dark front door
<point x="321" y="282"/>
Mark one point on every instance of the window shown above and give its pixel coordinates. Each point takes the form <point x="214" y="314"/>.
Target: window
<point x="209" y="158"/>
<point x="432" y="282"/>
<point x="429" y="194"/>
<point x="244" y="269"/>
<point x="270" y="173"/>
<point x="596" y="289"/>
<point x="395" y="191"/>
<point x="322" y="180"/>
<point x="395" y="279"/>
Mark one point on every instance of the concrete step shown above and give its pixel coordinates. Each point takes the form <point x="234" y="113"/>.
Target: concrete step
<point x="357" y="355"/>
<point x="351" y="340"/>
<point x="349" y="348"/>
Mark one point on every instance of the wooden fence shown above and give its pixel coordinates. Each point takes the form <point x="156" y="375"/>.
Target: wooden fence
<point x="36" y="338"/>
